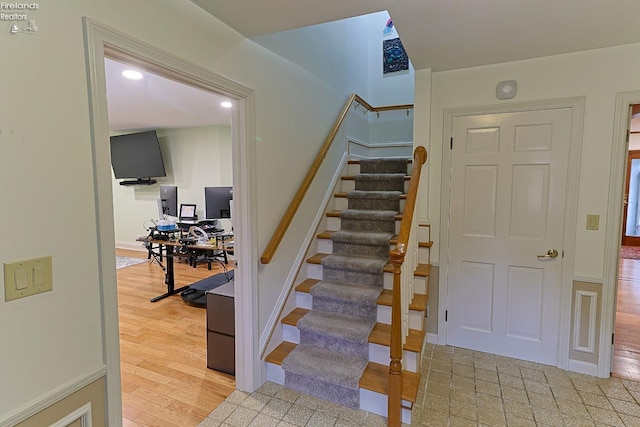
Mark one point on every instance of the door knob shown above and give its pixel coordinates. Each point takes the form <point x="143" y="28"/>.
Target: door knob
<point x="551" y="253"/>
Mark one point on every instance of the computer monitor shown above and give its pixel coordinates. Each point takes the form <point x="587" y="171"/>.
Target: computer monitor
<point x="188" y="212"/>
<point x="169" y="197"/>
<point x="217" y="202"/>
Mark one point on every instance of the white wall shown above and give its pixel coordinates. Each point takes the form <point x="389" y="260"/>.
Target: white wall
<point x="597" y="75"/>
<point x="194" y="158"/>
<point x="53" y="340"/>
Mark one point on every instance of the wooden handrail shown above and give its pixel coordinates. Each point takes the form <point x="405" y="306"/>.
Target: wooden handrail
<point x="286" y="219"/>
<point x="397" y="255"/>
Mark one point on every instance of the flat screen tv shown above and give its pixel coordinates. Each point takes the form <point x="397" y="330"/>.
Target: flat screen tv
<point x="217" y="202"/>
<point x="138" y="156"/>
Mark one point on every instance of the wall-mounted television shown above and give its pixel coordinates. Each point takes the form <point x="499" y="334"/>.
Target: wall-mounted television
<point x="217" y="202"/>
<point x="138" y="156"/>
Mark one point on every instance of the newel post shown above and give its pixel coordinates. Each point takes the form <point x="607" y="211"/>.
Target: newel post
<point x="394" y="404"/>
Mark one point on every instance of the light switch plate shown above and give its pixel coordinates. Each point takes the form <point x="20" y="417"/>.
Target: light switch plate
<point x="27" y="277"/>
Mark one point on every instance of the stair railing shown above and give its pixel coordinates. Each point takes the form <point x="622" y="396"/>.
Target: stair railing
<point x="290" y="213"/>
<point x="403" y="287"/>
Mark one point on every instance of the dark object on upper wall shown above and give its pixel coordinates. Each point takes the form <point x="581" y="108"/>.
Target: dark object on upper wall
<point x="137" y="155"/>
<point x="217" y="202"/>
<point x="394" y="57"/>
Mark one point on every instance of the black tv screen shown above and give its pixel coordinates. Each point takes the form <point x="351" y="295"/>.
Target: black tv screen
<point x="216" y="202"/>
<point x="136" y="155"/>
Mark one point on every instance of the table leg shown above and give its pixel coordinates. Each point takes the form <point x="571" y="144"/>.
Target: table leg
<point x="169" y="277"/>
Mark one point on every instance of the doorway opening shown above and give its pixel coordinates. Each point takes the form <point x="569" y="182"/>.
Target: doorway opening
<point x="104" y="42"/>
<point x="626" y="347"/>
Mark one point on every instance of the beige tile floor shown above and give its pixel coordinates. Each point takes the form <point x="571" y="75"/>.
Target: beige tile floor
<point x="458" y="388"/>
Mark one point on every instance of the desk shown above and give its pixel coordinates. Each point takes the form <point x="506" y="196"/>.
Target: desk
<point x="170" y="247"/>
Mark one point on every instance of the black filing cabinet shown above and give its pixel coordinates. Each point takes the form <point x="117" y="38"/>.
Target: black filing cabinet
<point x="221" y="352"/>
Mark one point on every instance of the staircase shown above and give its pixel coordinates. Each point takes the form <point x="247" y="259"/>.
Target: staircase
<point x="336" y="341"/>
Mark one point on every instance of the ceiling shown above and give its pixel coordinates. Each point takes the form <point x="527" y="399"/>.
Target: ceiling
<point x="453" y="34"/>
<point x="437" y="34"/>
<point x="155" y="102"/>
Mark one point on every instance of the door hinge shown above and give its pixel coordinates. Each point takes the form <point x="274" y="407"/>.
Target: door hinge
<point x="451" y="144"/>
<point x="446" y="315"/>
<point x="628" y="133"/>
<point x="612" y="336"/>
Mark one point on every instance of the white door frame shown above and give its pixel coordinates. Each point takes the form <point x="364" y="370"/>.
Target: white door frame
<point x="577" y="107"/>
<point x="99" y="40"/>
<point x="619" y="149"/>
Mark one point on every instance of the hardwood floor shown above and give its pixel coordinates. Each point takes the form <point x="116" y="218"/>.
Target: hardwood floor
<point x="626" y="350"/>
<point x="165" y="379"/>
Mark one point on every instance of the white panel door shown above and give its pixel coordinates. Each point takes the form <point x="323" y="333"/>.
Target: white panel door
<point x="508" y="182"/>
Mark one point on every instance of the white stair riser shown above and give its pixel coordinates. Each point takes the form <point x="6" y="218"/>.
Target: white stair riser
<point x="381" y="354"/>
<point x="423" y="256"/>
<point x="314" y="271"/>
<point x="325" y="246"/>
<point x="341" y="203"/>
<point x="348" y="185"/>
<point x="423" y="234"/>
<point x="333" y="223"/>
<point x="376" y="403"/>
<point x="416" y="318"/>
<point x="304" y="300"/>
<point x="291" y="334"/>
<point x="420" y="285"/>
<point x="275" y="373"/>
<point x="353" y="169"/>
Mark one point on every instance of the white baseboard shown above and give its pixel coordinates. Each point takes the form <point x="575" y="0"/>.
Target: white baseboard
<point x="134" y="246"/>
<point x="432" y="338"/>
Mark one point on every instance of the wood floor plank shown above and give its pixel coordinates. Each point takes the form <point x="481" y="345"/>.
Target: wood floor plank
<point x="165" y="381"/>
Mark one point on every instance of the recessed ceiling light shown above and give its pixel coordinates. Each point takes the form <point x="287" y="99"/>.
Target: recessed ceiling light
<point x="132" y="74"/>
<point x="226" y="104"/>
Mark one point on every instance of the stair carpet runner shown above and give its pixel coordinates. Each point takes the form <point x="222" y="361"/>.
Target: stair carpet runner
<point x="333" y="351"/>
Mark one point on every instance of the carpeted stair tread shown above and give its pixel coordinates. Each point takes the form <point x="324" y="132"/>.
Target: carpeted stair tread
<point x="357" y="263"/>
<point x="361" y="238"/>
<point x="365" y="214"/>
<point x="347" y="291"/>
<point x="389" y="195"/>
<point x="338" y="368"/>
<point x="384" y="165"/>
<point x="336" y="325"/>
<point x="335" y="333"/>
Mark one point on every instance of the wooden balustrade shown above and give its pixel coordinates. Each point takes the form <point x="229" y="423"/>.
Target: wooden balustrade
<point x="397" y="255"/>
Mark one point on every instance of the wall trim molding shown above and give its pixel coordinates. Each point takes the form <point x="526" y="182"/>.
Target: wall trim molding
<point x="83" y="414"/>
<point x="54" y="396"/>
<point x="578" y="324"/>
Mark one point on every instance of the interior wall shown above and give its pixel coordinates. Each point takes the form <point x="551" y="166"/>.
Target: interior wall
<point x="597" y="75"/>
<point x="194" y="158"/>
<point x="52" y="341"/>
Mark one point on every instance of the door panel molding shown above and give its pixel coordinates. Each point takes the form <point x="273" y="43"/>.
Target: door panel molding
<point x="577" y="105"/>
